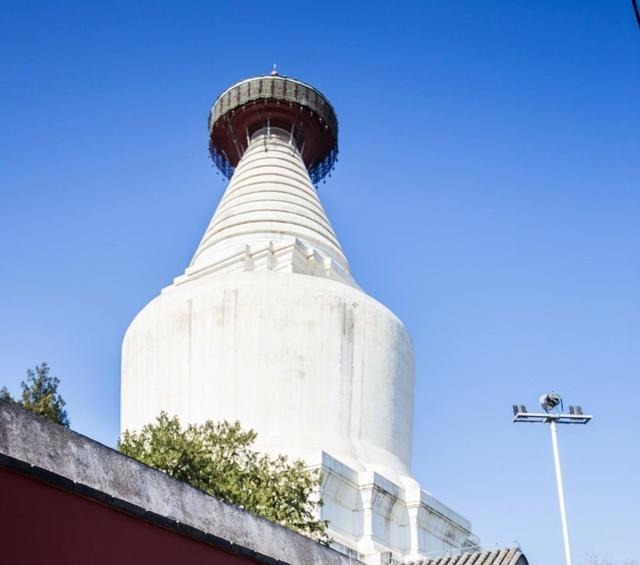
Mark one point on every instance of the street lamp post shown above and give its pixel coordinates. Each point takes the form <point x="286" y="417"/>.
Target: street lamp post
<point x="553" y="415"/>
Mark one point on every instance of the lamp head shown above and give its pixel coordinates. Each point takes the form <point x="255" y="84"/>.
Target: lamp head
<point x="550" y="401"/>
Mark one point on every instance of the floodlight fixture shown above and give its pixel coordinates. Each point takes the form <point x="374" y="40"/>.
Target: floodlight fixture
<point x="550" y="401"/>
<point x="553" y="415"/>
<point x="519" y="409"/>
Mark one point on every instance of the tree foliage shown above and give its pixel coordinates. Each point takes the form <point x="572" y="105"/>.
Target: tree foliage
<point x="218" y="458"/>
<point x="40" y="395"/>
<point x="592" y="559"/>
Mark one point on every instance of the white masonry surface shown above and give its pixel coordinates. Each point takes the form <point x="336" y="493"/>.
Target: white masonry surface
<point x="268" y="327"/>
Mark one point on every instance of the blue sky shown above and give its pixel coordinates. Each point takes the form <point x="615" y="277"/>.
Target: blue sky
<point x="488" y="192"/>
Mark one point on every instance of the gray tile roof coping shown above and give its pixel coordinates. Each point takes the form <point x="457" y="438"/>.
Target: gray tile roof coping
<point x="505" y="556"/>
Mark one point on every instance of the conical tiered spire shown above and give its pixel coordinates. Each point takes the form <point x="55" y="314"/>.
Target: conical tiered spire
<point x="270" y="217"/>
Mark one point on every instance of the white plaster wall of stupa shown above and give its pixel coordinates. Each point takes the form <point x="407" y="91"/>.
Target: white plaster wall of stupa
<point x="268" y="327"/>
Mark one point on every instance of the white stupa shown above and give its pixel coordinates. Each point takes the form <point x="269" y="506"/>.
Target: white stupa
<point x="267" y="326"/>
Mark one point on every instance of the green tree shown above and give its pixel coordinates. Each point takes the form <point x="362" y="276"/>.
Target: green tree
<point x="593" y="559"/>
<point x="218" y="458"/>
<point x="40" y="395"/>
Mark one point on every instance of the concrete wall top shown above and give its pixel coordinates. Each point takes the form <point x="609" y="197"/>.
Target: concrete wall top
<point x="86" y="464"/>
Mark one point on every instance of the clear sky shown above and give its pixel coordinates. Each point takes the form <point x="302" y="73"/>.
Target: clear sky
<point x="488" y="192"/>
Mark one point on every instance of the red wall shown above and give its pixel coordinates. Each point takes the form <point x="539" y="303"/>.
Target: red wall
<point x="43" y="525"/>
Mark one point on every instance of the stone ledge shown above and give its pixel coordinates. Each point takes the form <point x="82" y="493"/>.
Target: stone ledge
<point x="49" y="452"/>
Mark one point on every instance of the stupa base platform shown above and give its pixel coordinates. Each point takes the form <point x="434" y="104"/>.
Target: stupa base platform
<point x="380" y="522"/>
